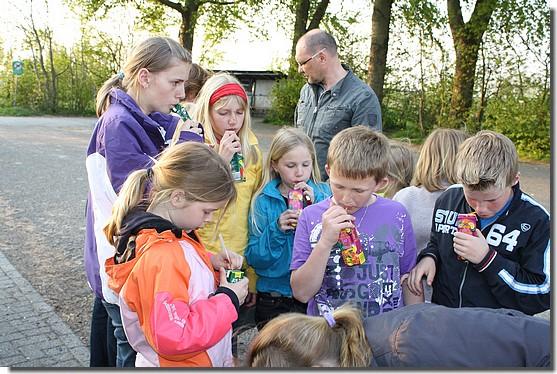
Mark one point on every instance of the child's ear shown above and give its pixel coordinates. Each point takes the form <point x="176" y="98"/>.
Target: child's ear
<point x="516" y="179"/>
<point x="382" y="183"/>
<point x="143" y="77"/>
<point x="327" y="170"/>
<point x="178" y="198"/>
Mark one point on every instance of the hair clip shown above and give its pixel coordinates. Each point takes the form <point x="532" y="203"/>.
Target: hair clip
<point x="329" y="318"/>
<point x="120" y="75"/>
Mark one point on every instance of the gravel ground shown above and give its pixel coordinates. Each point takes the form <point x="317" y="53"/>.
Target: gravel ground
<point x="42" y="202"/>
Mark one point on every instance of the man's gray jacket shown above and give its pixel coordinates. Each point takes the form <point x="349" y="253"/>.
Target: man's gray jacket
<point x="322" y="114"/>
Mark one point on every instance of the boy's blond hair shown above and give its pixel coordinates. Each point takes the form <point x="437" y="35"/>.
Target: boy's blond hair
<point x="487" y="159"/>
<point x="358" y="153"/>
<point x="435" y="169"/>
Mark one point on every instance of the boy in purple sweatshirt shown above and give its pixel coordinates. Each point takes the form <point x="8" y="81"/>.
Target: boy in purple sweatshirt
<point x="357" y="163"/>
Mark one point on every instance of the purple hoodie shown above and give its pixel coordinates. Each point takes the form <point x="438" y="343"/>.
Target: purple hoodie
<point x="124" y="140"/>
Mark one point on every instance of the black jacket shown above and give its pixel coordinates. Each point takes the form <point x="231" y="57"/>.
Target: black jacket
<point x="515" y="272"/>
<point x="434" y="336"/>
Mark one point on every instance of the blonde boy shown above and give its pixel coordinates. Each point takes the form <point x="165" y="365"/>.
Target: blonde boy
<point x="357" y="164"/>
<point x="506" y="265"/>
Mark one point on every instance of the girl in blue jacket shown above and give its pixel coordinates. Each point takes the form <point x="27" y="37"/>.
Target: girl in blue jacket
<point x="290" y="165"/>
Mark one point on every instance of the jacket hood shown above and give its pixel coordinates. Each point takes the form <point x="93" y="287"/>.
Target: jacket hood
<point x="152" y="123"/>
<point x="130" y="247"/>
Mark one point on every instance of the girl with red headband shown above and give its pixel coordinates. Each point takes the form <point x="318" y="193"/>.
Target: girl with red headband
<point x="222" y="107"/>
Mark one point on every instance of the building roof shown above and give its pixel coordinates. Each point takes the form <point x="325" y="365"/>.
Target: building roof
<point x="254" y="74"/>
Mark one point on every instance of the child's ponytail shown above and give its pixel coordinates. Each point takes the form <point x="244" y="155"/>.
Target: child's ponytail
<point x="102" y="100"/>
<point x="130" y="196"/>
<point x="299" y="340"/>
<point x="354" y="348"/>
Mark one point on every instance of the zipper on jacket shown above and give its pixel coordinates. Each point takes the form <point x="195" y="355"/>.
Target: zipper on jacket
<point x="315" y="110"/>
<point x="462" y="285"/>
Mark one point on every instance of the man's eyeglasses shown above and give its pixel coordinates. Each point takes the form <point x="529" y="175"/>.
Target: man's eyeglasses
<point x="312" y="57"/>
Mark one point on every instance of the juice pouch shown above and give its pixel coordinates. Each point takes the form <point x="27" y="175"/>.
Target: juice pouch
<point x="181" y="111"/>
<point x="295" y="200"/>
<point x="351" y="247"/>
<point x="184" y="115"/>
<point x="237" y="167"/>
<point x="467" y="224"/>
<point x="233" y="276"/>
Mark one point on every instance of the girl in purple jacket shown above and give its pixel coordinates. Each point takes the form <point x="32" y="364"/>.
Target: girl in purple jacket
<point x="134" y="126"/>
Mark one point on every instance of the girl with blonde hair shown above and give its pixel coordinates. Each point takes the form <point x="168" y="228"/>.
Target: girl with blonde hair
<point x="222" y="108"/>
<point x="434" y="172"/>
<point x="172" y="310"/>
<point x="401" y="168"/>
<point x="290" y="165"/>
<point x="474" y="338"/>
<point x="134" y="126"/>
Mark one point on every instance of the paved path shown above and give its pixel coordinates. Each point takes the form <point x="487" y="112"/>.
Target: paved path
<point x="31" y="333"/>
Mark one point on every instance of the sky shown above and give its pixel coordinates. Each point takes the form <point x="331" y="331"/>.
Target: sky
<point x="242" y="50"/>
<point x="237" y="50"/>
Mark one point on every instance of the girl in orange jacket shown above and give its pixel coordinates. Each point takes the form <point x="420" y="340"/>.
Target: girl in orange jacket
<point x="173" y="310"/>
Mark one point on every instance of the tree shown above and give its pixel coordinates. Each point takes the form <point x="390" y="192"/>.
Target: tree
<point x="305" y="22"/>
<point x="380" y="22"/>
<point x="467" y="38"/>
<point x="221" y="15"/>
<point x="40" y="42"/>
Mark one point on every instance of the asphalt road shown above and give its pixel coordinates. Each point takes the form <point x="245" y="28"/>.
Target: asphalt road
<point x="43" y="187"/>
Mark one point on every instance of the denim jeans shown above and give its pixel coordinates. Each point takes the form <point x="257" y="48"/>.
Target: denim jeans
<point x="244" y="322"/>
<point x="125" y="355"/>
<point x="102" y="342"/>
<point x="270" y="306"/>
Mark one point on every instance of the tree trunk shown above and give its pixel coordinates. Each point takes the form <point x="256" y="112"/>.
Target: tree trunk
<point x="53" y="100"/>
<point x="301" y="25"/>
<point x="380" y="21"/>
<point x="466" y="38"/>
<point x="187" y="28"/>
<point x="484" y="76"/>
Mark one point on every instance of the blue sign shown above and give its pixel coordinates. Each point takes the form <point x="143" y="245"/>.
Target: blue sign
<point x="17" y="67"/>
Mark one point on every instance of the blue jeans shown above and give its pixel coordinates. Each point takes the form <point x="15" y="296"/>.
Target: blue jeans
<point x="101" y="340"/>
<point x="125" y="355"/>
<point x="269" y="306"/>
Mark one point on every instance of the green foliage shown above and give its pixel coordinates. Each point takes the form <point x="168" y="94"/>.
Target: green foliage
<point x="524" y="119"/>
<point x="284" y="97"/>
<point x="17" y="111"/>
<point x="80" y="71"/>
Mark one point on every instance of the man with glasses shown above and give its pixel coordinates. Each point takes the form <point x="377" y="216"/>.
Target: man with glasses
<point x="333" y="97"/>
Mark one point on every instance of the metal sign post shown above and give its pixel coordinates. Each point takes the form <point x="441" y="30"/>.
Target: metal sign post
<point x="17" y="68"/>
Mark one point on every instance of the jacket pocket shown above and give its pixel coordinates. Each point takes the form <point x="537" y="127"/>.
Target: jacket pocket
<point x="335" y="119"/>
<point x="302" y="112"/>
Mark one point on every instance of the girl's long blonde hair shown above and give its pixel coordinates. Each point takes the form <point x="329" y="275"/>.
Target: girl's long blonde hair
<point x="401" y="168"/>
<point x="435" y="169"/>
<point x="202" y="113"/>
<point x="192" y="167"/>
<point x="299" y="340"/>
<point x="285" y="140"/>
<point x="155" y="54"/>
